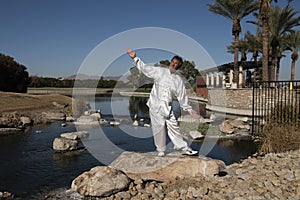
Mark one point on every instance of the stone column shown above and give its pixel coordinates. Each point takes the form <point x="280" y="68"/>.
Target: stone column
<point x="231" y="76"/>
<point x="217" y="79"/>
<point x="224" y="81"/>
<point x="212" y="79"/>
<point x="241" y="77"/>
<point x="207" y="80"/>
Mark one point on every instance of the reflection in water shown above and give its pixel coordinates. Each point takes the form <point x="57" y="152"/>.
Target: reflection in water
<point x="137" y="106"/>
<point x="229" y="151"/>
<point x="202" y="109"/>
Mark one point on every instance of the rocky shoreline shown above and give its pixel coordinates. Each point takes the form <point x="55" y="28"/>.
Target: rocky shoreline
<point x="271" y="176"/>
<point x="18" y="110"/>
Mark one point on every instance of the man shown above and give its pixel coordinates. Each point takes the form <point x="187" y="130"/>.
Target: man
<point x="167" y="86"/>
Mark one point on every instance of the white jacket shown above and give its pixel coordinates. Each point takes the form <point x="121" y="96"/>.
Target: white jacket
<point x="167" y="86"/>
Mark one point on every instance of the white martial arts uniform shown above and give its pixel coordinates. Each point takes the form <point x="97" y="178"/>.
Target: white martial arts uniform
<point x="167" y="86"/>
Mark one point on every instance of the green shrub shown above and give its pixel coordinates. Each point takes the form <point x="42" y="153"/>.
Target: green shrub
<point x="186" y="127"/>
<point x="202" y="128"/>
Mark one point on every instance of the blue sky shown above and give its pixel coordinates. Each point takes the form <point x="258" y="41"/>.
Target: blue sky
<point x="53" y="38"/>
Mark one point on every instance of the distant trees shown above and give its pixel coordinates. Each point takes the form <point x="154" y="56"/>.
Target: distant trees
<point x="13" y="76"/>
<point x="138" y="80"/>
<point x="36" y="81"/>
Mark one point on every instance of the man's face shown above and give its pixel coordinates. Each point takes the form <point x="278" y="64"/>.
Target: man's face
<point x="175" y="64"/>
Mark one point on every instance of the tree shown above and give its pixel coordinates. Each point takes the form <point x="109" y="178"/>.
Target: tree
<point x="283" y="46"/>
<point x="282" y="20"/>
<point x="243" y="48"/>
<point x="190" y="73"/>
<point x="187" y="70"/>
<point x="254" y="43"/>
<point x="264" y="24"/>
<point x="234" y="10"/>
<point x="138" y="79"/>
<point x="264" y="19"/>
<point x="13" y="76"/>
<point x="294" y="44"/>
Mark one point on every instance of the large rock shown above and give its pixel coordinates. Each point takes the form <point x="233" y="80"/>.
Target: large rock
<point x="148" y="166"/>
<point x="74" y="135"/>
<point x="87" y="120"/>
<point x="232" y="126"/>
<point x="97" y="115"/>
<point x="100" y="181"/>
<point x="64" y="144"/>
<point x="25" y="120"/>
<point x="10" y="119"/>
<point x="54" y="116"/>
<point x="196" y="135"/>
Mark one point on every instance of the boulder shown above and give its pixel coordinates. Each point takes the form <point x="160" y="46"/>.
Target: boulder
<point x="231" y="126"/>
<point x="196" y="135"/>
<point x="70" y="119"/>
<point x="10" y="120"/>
<point x="74" y="135"/>
<point x="100" y="181"/>
<point x="63" y="144"/>
<point x="87" y="120"/>
<point x="114" y="123"/>
<point x="6" y="195"/>
<point x="25" y="120"/>
<point x="226" y="127"/>
<point x="135" y="123"/>
<point x="54" y="115"/>
<point x="103" y="121"/>
<point x="97" y="115"/>
<point x="60" y="105"/>
<point x="148" y="166"/>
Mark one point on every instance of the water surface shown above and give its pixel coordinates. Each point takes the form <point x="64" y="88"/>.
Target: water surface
<point x="30" y="167"/>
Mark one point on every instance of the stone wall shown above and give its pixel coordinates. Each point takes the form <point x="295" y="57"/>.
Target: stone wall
<point x="232" y="101"/>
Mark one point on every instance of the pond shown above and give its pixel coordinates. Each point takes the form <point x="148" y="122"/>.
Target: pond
<point x="29" y="166"/>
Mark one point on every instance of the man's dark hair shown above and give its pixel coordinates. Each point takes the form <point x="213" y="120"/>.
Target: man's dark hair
<point x="179" y="59"/>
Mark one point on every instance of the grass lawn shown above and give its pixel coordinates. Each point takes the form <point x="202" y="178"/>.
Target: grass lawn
<point x="10" y="101"/>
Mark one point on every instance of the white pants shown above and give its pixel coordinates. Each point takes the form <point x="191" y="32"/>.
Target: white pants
<point x="159" y="125"/>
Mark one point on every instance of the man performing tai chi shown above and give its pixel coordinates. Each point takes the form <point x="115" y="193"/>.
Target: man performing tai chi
<point x="168" y="85"/>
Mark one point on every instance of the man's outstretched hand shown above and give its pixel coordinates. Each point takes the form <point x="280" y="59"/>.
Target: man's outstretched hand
<point x="131" y="53"/>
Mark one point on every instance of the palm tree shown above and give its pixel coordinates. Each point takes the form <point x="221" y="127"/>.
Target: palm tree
<point x="254" y="42"/>
<point x="282" y="20"/>
<point x="283" y="46"/>
<point x="264" y="19"/>
<point x="234" y="10"/>
<point x="243" y="48"/>
<point x="294" y="44"/>
<point x="255" y="46"/>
